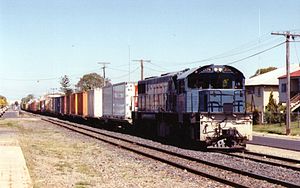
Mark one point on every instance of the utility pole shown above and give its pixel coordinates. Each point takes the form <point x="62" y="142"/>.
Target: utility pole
<point x="142" y="61"/>
<point x="53" y="89"/>
<point x="287" y="36"/>
<point x="103" y="68"/>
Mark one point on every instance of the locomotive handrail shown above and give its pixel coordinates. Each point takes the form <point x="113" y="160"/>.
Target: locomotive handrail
<point x="211" y="105"/>
<point x="237" y="101"/>
<point x="219" y="103"/>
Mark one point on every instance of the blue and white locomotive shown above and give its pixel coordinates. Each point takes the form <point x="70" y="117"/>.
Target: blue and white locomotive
<point x="206" y="105"/>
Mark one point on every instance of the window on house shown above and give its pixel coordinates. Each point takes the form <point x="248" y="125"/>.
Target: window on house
<point x="259" y="92"/>
<point x="283" y="88"/>
<point x="250" y="90"/>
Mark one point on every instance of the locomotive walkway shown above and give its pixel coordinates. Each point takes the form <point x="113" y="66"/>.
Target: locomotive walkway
<point x="13" y="169"/>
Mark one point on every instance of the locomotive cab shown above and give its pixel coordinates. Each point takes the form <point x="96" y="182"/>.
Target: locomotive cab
<point x="216" y="94"/>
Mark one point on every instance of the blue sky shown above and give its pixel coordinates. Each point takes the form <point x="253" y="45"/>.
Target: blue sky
<point x="40" y="41"/>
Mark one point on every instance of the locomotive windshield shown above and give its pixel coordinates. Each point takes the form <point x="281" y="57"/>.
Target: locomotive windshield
<point x="215" y="80"/>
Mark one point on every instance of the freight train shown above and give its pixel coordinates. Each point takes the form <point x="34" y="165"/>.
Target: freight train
<point x="204" y="105"/>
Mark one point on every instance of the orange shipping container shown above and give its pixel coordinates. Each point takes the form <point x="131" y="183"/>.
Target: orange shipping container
<point x="82" y="104"/>
<point x="73" y="104"/>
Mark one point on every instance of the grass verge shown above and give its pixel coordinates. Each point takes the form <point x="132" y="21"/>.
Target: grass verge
<point x="277" y="128"/>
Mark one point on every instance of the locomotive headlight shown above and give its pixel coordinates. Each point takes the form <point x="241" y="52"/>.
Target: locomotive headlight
<point x="215" y="69"/>
<point x="220" y="69"/>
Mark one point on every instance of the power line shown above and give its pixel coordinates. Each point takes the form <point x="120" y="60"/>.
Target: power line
<point x="235" y="51"/>
<point x="157" y="65"/>
<point x="154" y="69"/>
<point x="122" y="70"/>
<point x="255" y="54"/>
<point x="126" y="74"/>
<point x="44" y="79"/>
<point x="296" y="50"/>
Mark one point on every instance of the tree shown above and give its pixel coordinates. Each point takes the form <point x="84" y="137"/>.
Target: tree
<point x="26" y="99"/>
<point x="262" y="71"/>
<point x="272" y="115"/>
<point x="3" y="101"/>
<point x="65" y="85"/>
<point x="90" y="81"/>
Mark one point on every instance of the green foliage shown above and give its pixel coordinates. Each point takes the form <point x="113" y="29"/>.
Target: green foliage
<point x="263" y="70"/>
<point x="65" y="85"/>
<point x="90" y="81"/>
<point x="26" y="99"/>
<point x="272" y="106"/>
<point x="3" y="101"/>
<point x="278" y="129"/>
<point x="255" y="115"/>
<point x="272" y="114"/>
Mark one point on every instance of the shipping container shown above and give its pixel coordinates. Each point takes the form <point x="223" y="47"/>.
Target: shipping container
<point x="119" y="100"/>
<point x="42" y="105"/>
<point x="33" y="105"/>
<point x="107" y="109"/>
<point x="82" y="103"/>
<point x="62" y="109"/>
<point x="48" y="104"/>
<point x="68" y="104"/>
<point x="56" y="104"/>
<point x="73" y="104"/>
<point x="95" y="103"/>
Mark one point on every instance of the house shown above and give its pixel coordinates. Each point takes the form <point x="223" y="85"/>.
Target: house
<point x="295" y="89"/>
<point x="259" y="88"/>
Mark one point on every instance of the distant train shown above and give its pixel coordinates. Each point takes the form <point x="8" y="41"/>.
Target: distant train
<point x="205" y="105"/>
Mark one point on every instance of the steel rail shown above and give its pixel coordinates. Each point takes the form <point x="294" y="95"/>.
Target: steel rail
<point x="245" y="173"/>
<point x="296" y="168"/>
<point x="273" y="157"/>
<point x="185" y="167"/>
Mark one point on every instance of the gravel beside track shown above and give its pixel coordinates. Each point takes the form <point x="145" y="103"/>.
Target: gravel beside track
<point x="57" y="157"/>
<point x="246" y="165"/>
<point x="274" y="151"/>
<point x="268" y="159"/>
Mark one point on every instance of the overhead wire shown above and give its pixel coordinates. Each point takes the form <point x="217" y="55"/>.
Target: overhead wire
<point x="229" y="55"/>
<point x="150" y="62"/>
<point x="296" y="52"/>
<point x="125" y="74"/>
<point x="233" y="62"/>
<point x="258" y="43"/>
<point x="154" y="69"/>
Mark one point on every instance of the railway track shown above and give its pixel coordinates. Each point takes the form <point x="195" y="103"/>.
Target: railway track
<point x="266" y="159"/>
<point x="221" y="173"/>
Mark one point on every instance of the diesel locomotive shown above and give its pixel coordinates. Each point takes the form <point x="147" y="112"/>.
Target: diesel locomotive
<point x="205" y="104"/>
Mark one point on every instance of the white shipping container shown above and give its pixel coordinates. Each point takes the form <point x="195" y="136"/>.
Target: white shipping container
<point x="107" y="99"/>
<point x="123" y="99"/>
<point x="119" y="100"/>
<point x="95" y="103"/>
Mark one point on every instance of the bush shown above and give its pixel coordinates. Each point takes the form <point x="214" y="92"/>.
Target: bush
<point x="255" y="117"/>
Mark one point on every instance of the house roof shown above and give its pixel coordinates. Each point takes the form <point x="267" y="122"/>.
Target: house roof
<point x="292" y="74"/>
<point x="270" y="78"/>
